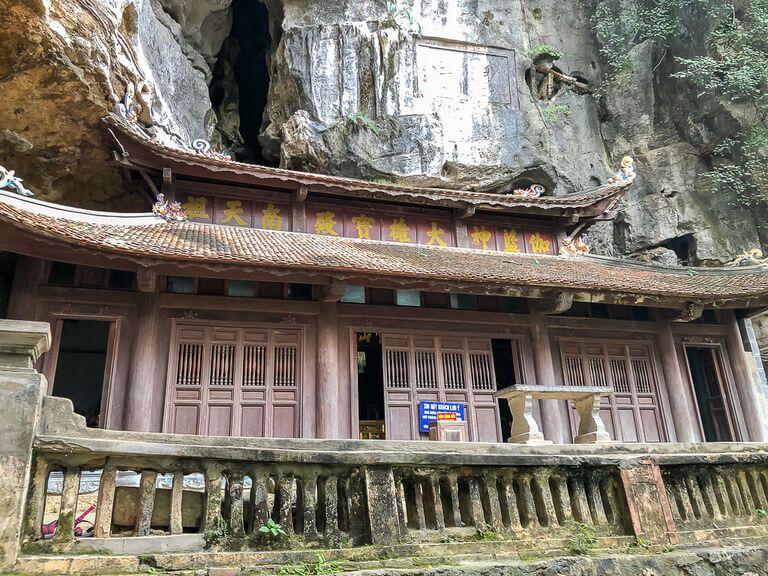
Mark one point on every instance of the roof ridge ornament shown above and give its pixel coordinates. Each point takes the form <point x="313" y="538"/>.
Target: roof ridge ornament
<point x="533" y="192"/>
<point x="626" y="173"/>
<point x="204" y="148"/>
<point x="9" y="181"/>
<point x="169" y="211"/>
<point x="571" y="247"/>
<point x="753" y="257"/>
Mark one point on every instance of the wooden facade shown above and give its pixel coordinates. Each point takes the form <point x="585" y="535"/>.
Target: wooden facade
<point x="303" y="306"/>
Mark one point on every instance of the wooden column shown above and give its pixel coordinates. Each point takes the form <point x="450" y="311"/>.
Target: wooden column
<point x="141" y="376"/>
<point x="680" y="402"/>
<point x="551" y="420"/>
<point x="750" y="403"/>
<point x="327" y="371"/>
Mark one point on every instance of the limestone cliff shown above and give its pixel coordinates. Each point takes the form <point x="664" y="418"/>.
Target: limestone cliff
<point x="435" y="92"/>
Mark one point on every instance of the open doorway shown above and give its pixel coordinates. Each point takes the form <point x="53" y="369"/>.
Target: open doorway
<point x="505" y="369"/>
<point x="709" y="385"/>
<point x="370" y="386"/>
<point x="81" y="366"/>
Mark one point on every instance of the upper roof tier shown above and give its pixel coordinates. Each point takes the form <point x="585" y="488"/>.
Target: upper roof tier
<point x="137" y="149"/>
<point x="145" y="242"/>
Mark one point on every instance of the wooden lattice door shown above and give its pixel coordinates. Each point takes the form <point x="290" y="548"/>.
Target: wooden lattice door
<point x="439" y="369"/>
<point x="633" y="413"/>
<point x="234" y="381"/>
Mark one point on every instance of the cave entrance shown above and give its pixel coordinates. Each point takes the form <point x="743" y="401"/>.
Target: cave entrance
<point x="240" y="84"/>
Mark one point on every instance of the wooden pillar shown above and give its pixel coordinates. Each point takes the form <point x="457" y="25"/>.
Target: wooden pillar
<point x="327" y="371"/>
<point x="551" y="420"/>
<point x="26" y="279"/>
<point x="680" y="402"/>
<point x="750" y="403"/>
<point x="141" y="377"/>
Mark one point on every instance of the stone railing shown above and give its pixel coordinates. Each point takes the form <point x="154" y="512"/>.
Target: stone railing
<point x="181" y="491"/>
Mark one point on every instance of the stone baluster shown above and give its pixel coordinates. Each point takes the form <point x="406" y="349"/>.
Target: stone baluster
<point x="65" y="530"/>
<point x="212" y="497"/>
<point x="734" y="494"/>
<point x="102" y="527"/>
<point x="330" y="504"/>
<point x="543" y="494"/>
<point x="694" y="492"/>
<point x="309" y="505"/>
<point x="526" y="503"/>
<point x="580" y="502"/>
<point x="358" y="521"/>
<point x="418" y="517"/>
<point x="746" y="494"/>
<point x="755" y="485"/>
<point x="710" y="496"/>
<point x="510" y="501"/>
<point x="177" y="495"/>
<point x="475" y="504"/>
<point x="682" y="498"/>
<point x="402" y="506"/>
<point x="761" y="477"/>
<point x="491" y="495"/>
<point x="562" y="497"/>
<point x="235" y="492"/>
<point x="433" y="505"/>
<point x="259" y="500"/>
<point x="721" y="493"/>
<point x="283" y="495"/>
<point x="35" y="511"/>
<point x="595" y="499"/>
<point x="611" y="505"/>
<point x="453" y="483"/>
<point x="146" y="502"/>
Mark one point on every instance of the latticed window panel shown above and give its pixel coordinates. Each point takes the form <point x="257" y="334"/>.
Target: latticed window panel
<point x="643" y="379"/>
<point x="481" y="369"/>
<point x="254" y="366"/>
<point x="453" y="371"/>
<point x="222" y="365"/>
<point x="619" y="374"/>
<point x="285" y="366"/>
<point x="397" y="369"/>
<point x="426" y="370"/>
<point x="190" y="364"/>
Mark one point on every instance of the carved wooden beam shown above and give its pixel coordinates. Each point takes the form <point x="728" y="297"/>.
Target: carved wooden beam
<point x="334" y="291"/>
<point x="167" y="176"/>
<point x="149" y="182"/>
<point x="561" y="302"/>
<point x="146" y="280"/>
<point x="301" y="194"/>
<point x="692" y="311"/>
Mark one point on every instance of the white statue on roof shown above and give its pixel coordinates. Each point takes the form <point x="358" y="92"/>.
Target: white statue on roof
<point x="9" y="181"/>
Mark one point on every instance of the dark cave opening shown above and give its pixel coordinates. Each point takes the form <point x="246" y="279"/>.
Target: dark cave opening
<point x="240" y="84"/>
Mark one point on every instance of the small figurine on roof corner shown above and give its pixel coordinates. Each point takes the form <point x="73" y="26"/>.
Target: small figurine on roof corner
<point x="9" y="181"/>
<point x="169" y="211"/>
<point x="533" y="192"/>
<point x="204" y="147"/>
<point x="626" y="174"/>
<point x="572" y="247"/>
<point x="136" y="106"/>
<point x="751" y="258"/>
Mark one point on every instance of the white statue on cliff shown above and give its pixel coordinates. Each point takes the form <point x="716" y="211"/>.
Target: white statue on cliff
<point x="626" y="173"/>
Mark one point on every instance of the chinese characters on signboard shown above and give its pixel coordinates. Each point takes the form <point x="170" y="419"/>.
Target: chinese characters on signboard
<point x="345" y="223"/>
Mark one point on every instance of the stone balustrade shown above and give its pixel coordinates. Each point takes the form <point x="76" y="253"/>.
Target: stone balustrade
<point x="346" y="493"/>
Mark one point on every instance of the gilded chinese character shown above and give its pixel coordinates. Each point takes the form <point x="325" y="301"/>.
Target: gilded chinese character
<point x="363" y="225"/>
<point x="325" y="223"/>
<point x="195" y="207"/>
<point x="510" y="241"/>
<point x="271" y="218"/>
<point x="539" y="244"/>
<point x="435" y="235"/>
<point x="233" y="211"/>
<point x="399" y="230"/>
<point x="481" y="235"/>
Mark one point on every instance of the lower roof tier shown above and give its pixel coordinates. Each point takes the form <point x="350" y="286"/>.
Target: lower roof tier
<point x="143" y="241"/>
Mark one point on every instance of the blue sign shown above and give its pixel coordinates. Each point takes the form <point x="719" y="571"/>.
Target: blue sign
<point x="428" y="412"/>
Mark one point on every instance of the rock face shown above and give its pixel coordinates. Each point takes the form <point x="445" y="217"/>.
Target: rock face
<point x="434" y="92"/>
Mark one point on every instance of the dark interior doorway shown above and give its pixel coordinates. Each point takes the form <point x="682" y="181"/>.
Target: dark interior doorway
<point x="370" y="386"/>
<point x="504" y="359"/>
<point x="240" y="84"/>
<point x="81" y="366"/>
<point x="7" y="269"/>
<point x="709" y="386"/>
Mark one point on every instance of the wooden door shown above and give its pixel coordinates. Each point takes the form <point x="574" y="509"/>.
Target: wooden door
<point x="442" y="369"/>
<point x="706" y="374"/>
<point x="633" y="413"/>
<point x="234" y="381"/>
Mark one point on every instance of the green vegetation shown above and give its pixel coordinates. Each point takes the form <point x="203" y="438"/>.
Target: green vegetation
<point x="554" y="113"/>
<point x="401" y="18"/>
<point x="732" y="68"/>
<point x="321" y="566"/>
<point x="485" y="535"/>
<point x="544" y="50"/>
<point x="362" y="120"/>
<point x="272" y="529"/>
<point x="217" y="535"/>
<point x="583" y="538"/>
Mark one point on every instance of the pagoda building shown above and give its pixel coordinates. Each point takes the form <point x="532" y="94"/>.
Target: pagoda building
<point x="262" y="302"/>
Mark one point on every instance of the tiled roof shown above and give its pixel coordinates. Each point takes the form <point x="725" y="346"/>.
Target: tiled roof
<point x="145" y="236"/>
<point x="147" y="152"/>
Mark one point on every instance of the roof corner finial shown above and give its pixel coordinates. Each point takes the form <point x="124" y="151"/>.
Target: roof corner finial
<point x="626" y="173"/>
<point x="571" y="247"/>
<point x="532" y="192"/>
<point x="9" y="181"/>
<point x="169" y="211"/>
<point x="203" y="147"/>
